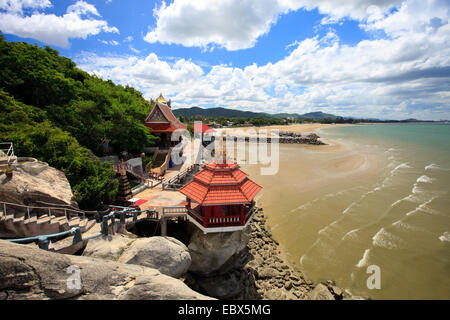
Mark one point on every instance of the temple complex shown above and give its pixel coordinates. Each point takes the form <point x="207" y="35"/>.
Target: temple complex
<point x="162" y="122"/>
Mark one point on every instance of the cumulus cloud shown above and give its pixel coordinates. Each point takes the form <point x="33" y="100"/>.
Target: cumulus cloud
<point x="17" y="6"/>
<point x="237" y="24"/>
<point x="404" y="74"/>
<point x="232" y="24"/>
<point x="74" y="24"/>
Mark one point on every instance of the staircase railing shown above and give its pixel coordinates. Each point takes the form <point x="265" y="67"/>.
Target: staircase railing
<point x="171" y="183"/>
<point x="108" y="220"/>
<point x="44" y="240"/>
<point x="9" y="151"/>
<point x="67" y="211"/>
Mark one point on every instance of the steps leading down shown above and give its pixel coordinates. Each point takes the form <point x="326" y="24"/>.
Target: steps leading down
<point x="19" y="226"/>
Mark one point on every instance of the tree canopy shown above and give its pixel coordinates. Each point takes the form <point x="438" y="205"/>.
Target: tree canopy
<point x="57" y="113"/>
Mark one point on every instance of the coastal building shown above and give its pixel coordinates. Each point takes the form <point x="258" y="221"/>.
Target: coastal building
<point x="220" y="198"/>
<point x="201" y="128"/>
<point x="162" y="122"/>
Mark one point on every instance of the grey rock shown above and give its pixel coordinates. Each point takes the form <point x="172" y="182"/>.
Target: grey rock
<point x="168" y="255"/>
<point x="107" y="247"/>
<point x="31" y="273"/>
<point x="267" y="272"/>
<point x="320" y="292"/>
<point x="215" y="253"/>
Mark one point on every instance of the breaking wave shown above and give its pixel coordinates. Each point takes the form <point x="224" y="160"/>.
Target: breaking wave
<point x="445" y="237"/>
<point x="432" y="166"/>
<point x="423" y="207"/>
<point x="424" y="179"/>
<point x="401" y="166"/>
<point x="364" y="260"/>
<point x="386" y="239"/>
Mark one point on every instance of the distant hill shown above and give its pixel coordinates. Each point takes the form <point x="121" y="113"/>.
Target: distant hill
<point x="231" y="113"/>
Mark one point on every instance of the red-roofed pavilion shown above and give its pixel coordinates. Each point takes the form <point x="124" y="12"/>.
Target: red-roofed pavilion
<point x="162" y="122"/>
<point x="220" y="198"/>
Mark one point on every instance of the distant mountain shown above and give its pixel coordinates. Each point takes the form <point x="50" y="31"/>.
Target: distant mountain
<point x="318" y="115"/>
<point x="230" y="113"/>
<point x="217" y="112"/>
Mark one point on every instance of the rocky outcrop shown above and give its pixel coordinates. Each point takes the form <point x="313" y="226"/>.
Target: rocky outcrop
<point x="257" y="271"/>
<point x="30" y="273"/>
<point x="320" y="292"/>
<point x="107" y="247"/>
<point x="166" y="254"/>
<point x="36" y="181"/>
<point x="215" y="253"/>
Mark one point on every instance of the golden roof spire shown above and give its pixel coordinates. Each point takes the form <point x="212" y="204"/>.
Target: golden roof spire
<point x="161" y="99"/>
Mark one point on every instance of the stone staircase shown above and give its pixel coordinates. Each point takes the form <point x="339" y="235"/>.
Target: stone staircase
<point x="16" y="225"/>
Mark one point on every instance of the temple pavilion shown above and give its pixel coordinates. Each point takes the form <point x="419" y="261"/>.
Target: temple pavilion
<point x="220" y="198"/>
<point x="162" y="122"/>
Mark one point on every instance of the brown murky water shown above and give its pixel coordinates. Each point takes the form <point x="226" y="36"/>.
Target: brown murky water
<point x="338" y="209"/>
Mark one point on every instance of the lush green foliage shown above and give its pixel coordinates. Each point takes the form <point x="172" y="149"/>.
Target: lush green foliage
<point x="92" y="181"/>
<point x="57" y="113"/>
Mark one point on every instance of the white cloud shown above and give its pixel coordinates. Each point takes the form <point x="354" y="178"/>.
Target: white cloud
<point x="233" y="24"/>
<point x="111" y="42"/>
<point x="403" y="75"/>
<point x="81" y="7"/>
<point x="237" y="24"/>
<point x="133" y="49"/>
<point x="49" y="28"/>
<point x="128" y="39"/>
<point x="17" y="6"/>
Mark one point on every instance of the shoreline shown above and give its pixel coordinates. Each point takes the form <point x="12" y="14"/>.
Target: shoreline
<point x="276" y="276"/>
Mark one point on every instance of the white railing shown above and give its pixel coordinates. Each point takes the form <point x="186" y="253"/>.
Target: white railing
<point x="9" y="151"/>
<point x="232" y="219"/>
<point x="180" y="175"/>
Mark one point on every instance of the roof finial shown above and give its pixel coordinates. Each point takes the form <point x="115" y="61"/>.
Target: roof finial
<point x="161" y="99"/>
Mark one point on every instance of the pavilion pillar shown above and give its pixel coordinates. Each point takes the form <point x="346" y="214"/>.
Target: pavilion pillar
<point x="163" y="227"/>
<point x="242" y="214"/>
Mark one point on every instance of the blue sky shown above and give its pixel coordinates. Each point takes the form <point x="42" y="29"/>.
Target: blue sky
<point x="385" y="59"/>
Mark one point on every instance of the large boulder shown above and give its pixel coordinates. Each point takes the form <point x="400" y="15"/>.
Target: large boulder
<point x="168" y="255"/>
<point x="36" y="181"/>
<point x="30" y="273"/>
<point x="107" y="247"/>
<point x="215" y="253"/>
<point x="225" y="286"/>
<point x="320" y="292"/>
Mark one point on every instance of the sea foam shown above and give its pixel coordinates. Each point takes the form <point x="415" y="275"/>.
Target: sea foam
<point x="424" y="179"/>
<point x="386" y="239"/>
<point x="445" y="237"/>
<point x="364" y="260"/>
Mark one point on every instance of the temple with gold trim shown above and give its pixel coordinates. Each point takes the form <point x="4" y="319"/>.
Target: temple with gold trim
<point x="162" y="122"/>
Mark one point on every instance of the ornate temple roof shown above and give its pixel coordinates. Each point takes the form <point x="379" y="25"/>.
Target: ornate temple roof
<point x="161" y="119"/>
<point x="221" y="184"/>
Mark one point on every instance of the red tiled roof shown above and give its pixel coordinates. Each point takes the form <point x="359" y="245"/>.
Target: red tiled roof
<point x="221" y="184"/>
<point x="172" y="122"/>
<point x="201" y="127"/>
<point x="227" y="165"/>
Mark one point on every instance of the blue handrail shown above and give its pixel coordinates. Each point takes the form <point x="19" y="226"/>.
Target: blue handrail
<point x="43" y="240"/>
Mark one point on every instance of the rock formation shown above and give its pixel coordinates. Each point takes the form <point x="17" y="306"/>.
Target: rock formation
<point x="36" y="181"/>
<point x="30" y="273"/>
<point x="249" y="265"/>
<point x="166" y="254"/>
<point x="213" y="253"/>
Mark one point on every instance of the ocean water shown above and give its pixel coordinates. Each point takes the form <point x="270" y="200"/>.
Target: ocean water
<point x="383" y="200"/>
